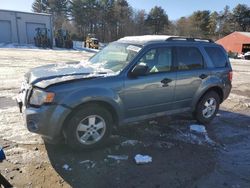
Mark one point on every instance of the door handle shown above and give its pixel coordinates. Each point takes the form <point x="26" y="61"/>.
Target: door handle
<point x="203" y="76"/>
<point x="165" y="81"/>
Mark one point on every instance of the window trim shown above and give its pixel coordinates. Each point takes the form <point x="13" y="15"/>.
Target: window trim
<point x="213" y="64"/>
<point x="176" y="67"/>
<point x="172" y="69"/>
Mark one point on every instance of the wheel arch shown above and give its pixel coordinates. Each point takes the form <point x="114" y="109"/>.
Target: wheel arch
<point x="104" y="104"/>
<point x="216" y="89"/>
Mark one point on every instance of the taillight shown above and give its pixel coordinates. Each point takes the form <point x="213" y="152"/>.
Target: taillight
<point x="230" y="76"/>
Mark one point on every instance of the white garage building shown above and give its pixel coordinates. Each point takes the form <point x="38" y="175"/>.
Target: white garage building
<point x="19" y="27"/>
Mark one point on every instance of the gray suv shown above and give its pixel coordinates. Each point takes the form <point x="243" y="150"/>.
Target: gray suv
<point x="132" y="79"/>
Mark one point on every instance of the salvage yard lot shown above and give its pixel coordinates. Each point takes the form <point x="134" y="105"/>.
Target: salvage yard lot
<point x="181" y="158"/>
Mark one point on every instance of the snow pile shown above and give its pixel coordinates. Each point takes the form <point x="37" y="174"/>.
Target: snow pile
<point x="88" y="163"/>
<point x="142" y="159"/>
<point x="145" y="38"/>
<point x="198" y="128"/>
<point x="130" y="143"/>
<point x="118" y="157"/>
<point x="197" y="135"/>
<point x="66" y="167"/>
<point x="76" y="71"/>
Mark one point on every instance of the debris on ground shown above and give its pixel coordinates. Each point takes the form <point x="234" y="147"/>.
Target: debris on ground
<point x="198" y="128"/>
<point x="196" y="134"/>
<point x="142" y="159"/>
<point x="118" y="157"/>
<point x="153" y="122"/>
<point x="130" y="143"/>
<point x="164" y="144"/>
<point x="88" y="163"/>
<point x="66" y="167"/>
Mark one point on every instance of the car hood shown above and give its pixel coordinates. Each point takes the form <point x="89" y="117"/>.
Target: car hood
<point x="47" y="75"/>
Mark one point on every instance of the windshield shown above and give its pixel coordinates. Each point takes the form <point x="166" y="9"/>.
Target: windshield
<point x="115" y="56"/>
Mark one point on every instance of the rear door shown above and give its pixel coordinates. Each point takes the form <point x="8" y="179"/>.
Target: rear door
<point x="191" y="72"/>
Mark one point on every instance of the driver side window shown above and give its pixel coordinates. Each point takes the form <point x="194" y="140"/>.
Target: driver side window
<point x="157" y="60"/>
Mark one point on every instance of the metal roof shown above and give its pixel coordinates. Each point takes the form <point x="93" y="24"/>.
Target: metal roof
<point x="247" y="34"/>
<point x="34" y="13"/>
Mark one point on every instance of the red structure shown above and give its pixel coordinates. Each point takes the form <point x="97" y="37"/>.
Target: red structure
<point x="236" y="42"/>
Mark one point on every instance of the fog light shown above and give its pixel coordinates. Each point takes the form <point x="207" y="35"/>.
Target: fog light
<point x="32" y="126"/>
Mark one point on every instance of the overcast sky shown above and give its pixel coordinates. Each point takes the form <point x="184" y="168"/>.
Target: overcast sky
<point x="174" y="9"/>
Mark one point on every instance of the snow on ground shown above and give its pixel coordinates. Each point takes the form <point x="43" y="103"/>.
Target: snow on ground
<point x="77" y="46"/>
<point x="14" y="63"/>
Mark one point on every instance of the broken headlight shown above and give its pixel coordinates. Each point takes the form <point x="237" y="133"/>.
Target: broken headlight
<point x="40" y="97"/>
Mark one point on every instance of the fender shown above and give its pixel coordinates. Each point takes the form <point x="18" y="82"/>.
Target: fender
<point x="94" y="94"/>
<point x="206" y="85"/>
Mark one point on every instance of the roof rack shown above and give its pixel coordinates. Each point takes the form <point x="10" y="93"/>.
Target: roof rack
<point x="189" y="39"/>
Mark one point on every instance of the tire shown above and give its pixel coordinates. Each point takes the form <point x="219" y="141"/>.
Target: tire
<point x="207" y="107"/>
<point x="90" y="127"/>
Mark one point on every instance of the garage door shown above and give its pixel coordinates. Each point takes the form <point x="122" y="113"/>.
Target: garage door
<point x="5" y="31"/>
<point x="31" y="31"/>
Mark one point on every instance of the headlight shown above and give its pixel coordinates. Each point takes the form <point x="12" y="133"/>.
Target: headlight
<point x="40" y="97"/>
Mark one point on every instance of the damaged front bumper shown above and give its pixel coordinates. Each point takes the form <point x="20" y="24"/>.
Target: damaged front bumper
<point x="22" y="96"/>
<point x="46" y="120"/>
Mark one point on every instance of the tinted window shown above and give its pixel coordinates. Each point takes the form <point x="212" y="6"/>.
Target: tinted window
<point x="217" y="56"/>
<point x="158" y="60"/>
<point x="189" y="58"/>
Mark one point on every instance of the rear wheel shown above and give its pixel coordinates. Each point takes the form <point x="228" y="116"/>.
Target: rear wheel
<point x="207" y="107"/>
<point x="89" y="127"/>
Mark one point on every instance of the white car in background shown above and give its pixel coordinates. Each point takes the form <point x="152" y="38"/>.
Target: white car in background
<point x="247" y="55"/>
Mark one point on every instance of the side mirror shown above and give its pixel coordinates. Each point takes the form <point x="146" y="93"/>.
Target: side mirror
<point x="139" y="70"/>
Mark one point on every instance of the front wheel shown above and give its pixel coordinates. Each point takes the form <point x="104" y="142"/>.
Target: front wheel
<point x="207" y="107"/>
<point x="89" y="127"/>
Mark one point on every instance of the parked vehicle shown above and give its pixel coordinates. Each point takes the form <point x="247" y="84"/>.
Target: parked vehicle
<point x="91" y="42"/>
<point x="63" y="39"/>
<point x="132" y="79"/>
<point x="247" y="56"/>
<point x="42" y="38"/>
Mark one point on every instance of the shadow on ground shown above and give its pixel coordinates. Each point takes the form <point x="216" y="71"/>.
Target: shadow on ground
<point x="176" y="163"/>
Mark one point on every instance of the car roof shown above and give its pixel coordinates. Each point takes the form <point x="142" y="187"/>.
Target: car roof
<point x="144" y="39"/>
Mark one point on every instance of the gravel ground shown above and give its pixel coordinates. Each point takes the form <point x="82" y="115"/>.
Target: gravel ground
<point x="219" y="157"/>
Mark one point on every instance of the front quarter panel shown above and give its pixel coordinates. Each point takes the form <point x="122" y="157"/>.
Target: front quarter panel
<point x="94" y="94"/>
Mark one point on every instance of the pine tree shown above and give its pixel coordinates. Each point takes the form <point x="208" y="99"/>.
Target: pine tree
<point x="241" y="16"/>
<point x="157" y="19"/>
<point x="40" y="6"/>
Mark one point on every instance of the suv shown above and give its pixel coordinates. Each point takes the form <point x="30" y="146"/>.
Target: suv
<point x="132" y="79"/>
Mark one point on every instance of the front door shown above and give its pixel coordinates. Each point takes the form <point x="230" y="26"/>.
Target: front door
<point x="153" y="92"/>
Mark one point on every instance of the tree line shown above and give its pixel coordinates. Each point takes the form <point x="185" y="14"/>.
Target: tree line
<point x="113" y="19"/>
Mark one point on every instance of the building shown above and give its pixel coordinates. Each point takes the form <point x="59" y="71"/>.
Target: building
<point x="236" y="42"/>
<point x="19" y="27"/>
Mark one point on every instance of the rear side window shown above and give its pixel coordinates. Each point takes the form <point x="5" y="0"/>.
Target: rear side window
<point x="189" y="58"/>
<point x="217" y="56"/>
